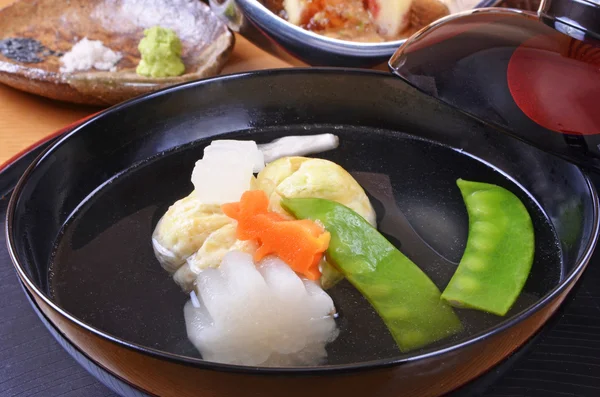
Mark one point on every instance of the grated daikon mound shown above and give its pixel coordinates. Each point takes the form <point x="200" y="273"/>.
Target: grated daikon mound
<point x="259" y="315"/>
<point x="87" y="54"/>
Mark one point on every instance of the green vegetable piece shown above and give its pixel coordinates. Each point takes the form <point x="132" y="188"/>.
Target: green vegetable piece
<point x="499" y="252"/>
<point x="406" y="299"/>
<point x="161" y="53"/>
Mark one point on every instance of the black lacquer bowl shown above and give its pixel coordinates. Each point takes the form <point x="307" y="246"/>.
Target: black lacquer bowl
<point x="80" y="220"/>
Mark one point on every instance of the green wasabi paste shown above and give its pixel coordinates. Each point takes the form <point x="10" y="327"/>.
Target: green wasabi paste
<point x="161" y="53"/>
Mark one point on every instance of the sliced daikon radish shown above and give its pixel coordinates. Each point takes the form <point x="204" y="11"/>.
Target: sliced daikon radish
<point x="222" y="179"/>
<point x="243" y="148"/>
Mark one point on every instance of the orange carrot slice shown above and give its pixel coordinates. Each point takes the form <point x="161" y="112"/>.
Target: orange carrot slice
<point x="299" y="243"/>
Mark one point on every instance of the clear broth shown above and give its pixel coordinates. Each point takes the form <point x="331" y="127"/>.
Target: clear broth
<point x="104" y="272"/>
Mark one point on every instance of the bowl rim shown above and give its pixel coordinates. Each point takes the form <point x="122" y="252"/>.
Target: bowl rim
<point x="566" y="282"/>
<point x="268" y="21"/>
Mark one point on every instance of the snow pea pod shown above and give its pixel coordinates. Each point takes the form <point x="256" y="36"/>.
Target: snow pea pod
<point x="405" y="298"/>
<point x="499" y="252"/>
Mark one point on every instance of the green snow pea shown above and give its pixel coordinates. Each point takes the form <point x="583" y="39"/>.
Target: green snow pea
<point x="499" y="252"/>
<point x="405" y="298"/>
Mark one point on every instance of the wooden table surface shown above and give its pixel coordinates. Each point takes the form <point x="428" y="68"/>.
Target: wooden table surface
<point x="26" y="119"/>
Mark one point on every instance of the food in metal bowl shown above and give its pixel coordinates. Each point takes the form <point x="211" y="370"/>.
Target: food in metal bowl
<point x="361" y="20"/>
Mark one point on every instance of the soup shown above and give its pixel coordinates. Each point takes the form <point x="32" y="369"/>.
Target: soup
<point x="415" y="204"/>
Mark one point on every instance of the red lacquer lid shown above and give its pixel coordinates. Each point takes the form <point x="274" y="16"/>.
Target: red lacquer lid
<point x="535" y="76"/>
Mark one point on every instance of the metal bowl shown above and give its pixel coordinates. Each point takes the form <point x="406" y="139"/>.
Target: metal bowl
<point x="276" y="35"/>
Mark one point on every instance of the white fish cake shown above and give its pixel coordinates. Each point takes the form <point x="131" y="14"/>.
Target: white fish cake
<point x="259" y="315"/>
<point x="298" y="145"/>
